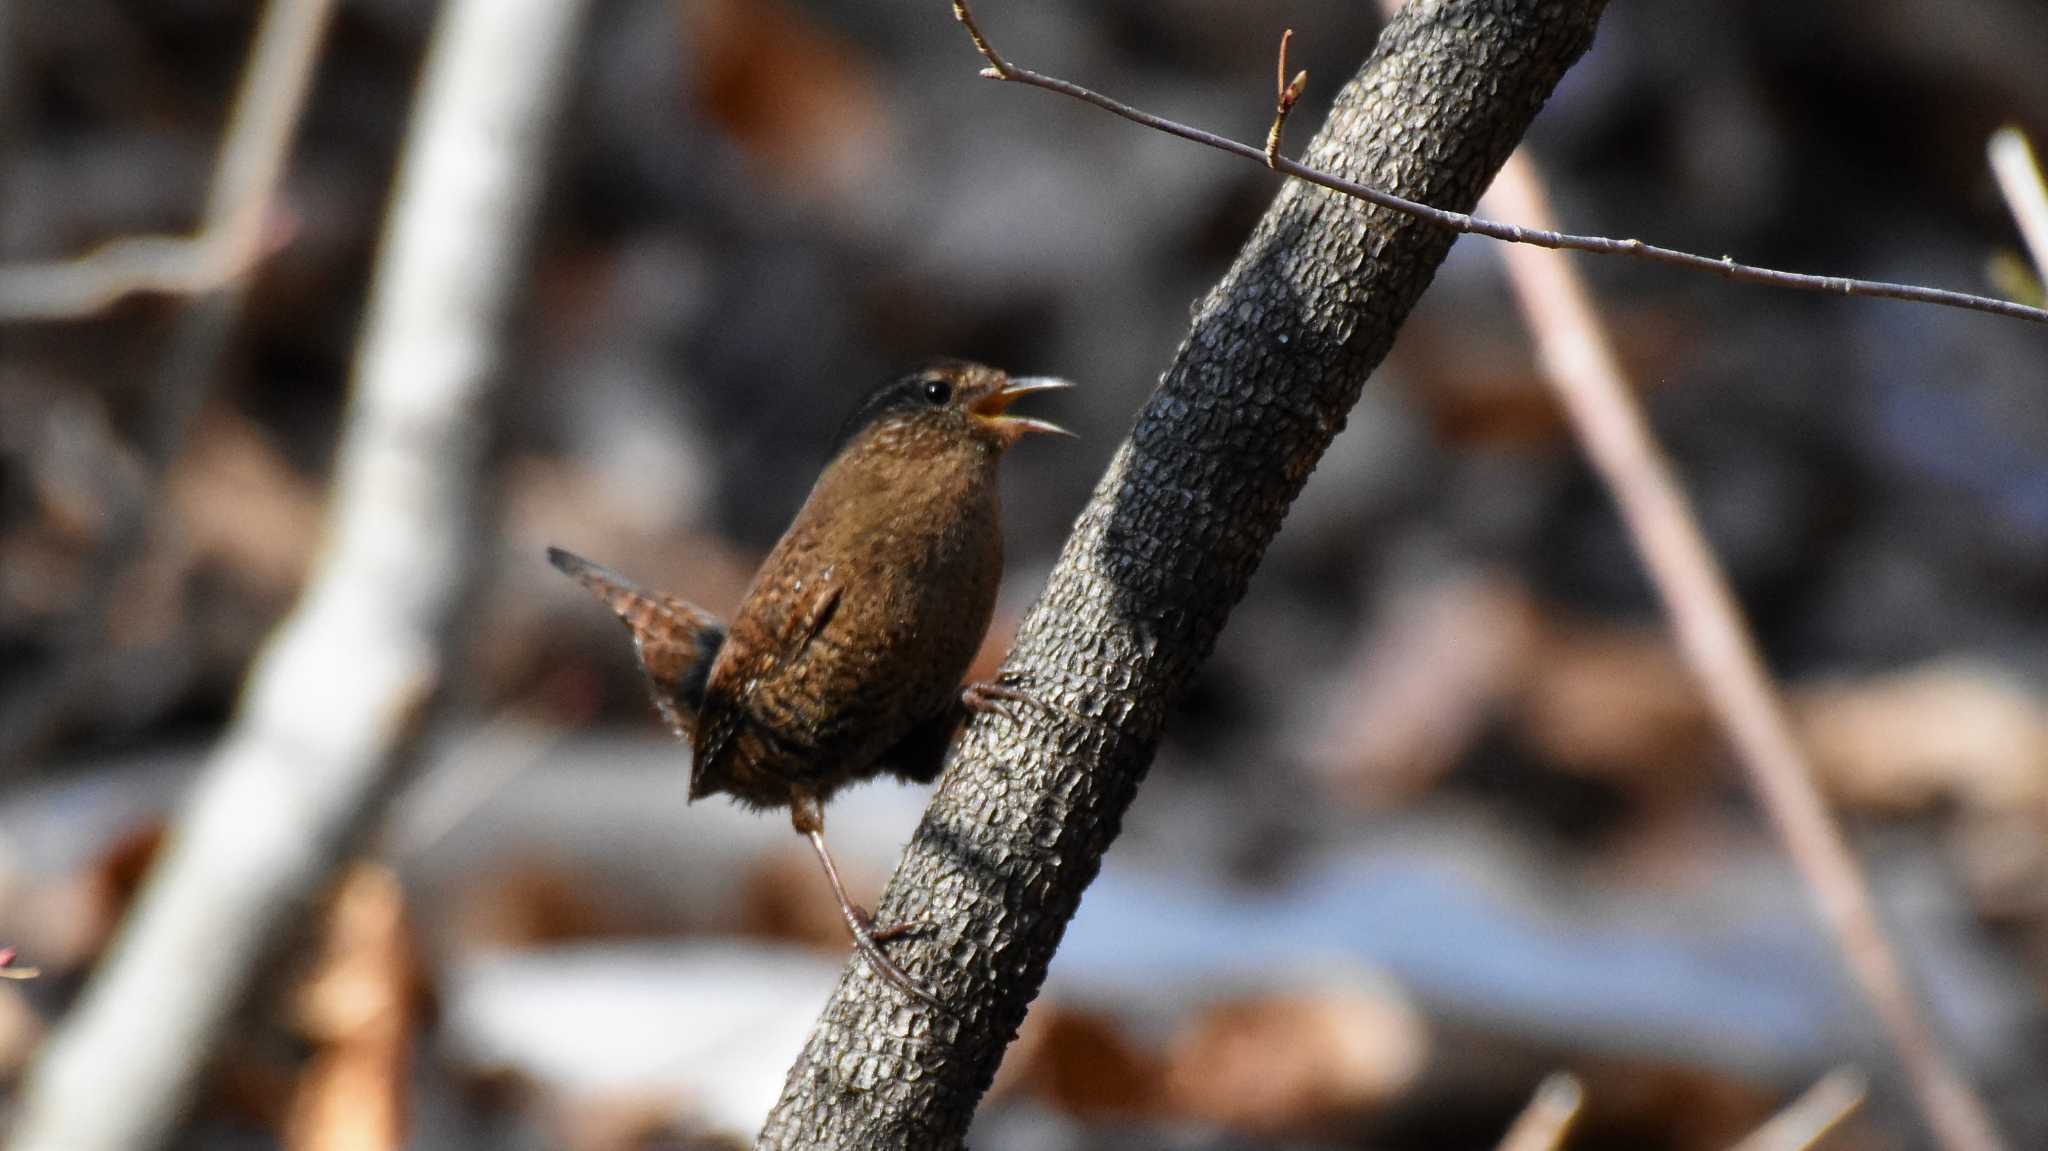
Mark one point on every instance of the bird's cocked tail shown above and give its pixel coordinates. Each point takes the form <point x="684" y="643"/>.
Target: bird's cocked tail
<point x="677" y="641"/>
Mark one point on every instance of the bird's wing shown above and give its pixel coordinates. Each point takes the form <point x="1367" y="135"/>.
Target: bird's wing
<point x="771" y="667"/>
<point x="806" y="624"/>
<point x="742" y="732"/>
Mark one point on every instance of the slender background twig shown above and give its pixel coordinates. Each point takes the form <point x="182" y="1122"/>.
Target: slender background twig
<point x="254" y="148"/>
<point x="1727" y="266"/>
<point x="171" y="265"/>
<point x="1547" y="1120"/>
<point x="1812" y="1117"/>
<point x="1580" y="363"/>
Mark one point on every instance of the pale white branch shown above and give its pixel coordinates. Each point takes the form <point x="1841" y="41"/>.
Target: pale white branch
<point x="2019" y="179"/>
<point x="1811" y="1117"/>
<point x="333" y="706"/>
<point x="237" y="232"/>
<point x="1544" y="1123"/>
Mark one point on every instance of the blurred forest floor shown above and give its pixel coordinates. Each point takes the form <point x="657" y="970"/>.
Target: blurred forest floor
<point x="1444" y="812"/>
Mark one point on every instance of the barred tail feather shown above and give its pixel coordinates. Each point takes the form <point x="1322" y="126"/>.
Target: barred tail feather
<point x="677" y="641"/>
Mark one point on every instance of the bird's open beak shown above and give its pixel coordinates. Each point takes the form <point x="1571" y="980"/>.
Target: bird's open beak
<point x="993" y="408"/>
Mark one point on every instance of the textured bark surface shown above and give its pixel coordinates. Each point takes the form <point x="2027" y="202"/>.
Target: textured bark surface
<point x="1276" y="356"/>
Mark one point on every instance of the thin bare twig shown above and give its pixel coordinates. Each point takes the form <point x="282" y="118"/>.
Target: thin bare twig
<point x="1285" y="93"/>
<point x="1580" y="362"/>
<point x="134" y="265"/>
<point x="1544" y="1123"/>
<point x="1811" y="1117"/>
<point x="237" y="232"/>
<point x="1726" y="267"/>
<point x="2019" y="178"/>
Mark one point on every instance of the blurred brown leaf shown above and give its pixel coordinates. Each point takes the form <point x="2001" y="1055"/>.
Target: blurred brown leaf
<point x="643" y="1121"/>
<point x="1955" y="734"/>
<point x="1953" y="731"/>
<point x="1297" y="1063"/>
<point x="1616" y="702"/>
<point x="101" y="896"/>
<point x="786" y="898"/>
<point x="358" y="1008"/>
<point x="1633" y="1102"/>
<point x="795" y="95"/>
<point x="526" y="904"/>
<point x="243" y="506"/>
<point x="1084" y="1063"/>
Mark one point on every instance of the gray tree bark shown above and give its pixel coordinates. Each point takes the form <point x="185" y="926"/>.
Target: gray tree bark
<point x="1277" y="355"/>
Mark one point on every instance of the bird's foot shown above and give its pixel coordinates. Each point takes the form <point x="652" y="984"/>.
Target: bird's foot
<point x="891" y="933"/>
<point x="868" y="941"/>
<point x="985" y="696"/>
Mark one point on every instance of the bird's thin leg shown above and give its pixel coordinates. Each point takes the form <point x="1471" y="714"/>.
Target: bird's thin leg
<point x="809" y="820"/>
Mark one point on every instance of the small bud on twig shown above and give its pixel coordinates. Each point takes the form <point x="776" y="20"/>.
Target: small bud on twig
<point x="1285" y="93"/>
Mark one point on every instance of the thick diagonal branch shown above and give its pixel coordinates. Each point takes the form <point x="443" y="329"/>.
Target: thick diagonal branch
<point x="1277" y="355"/>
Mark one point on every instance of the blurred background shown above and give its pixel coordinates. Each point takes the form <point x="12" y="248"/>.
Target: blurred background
<point x="1443" y="813"/>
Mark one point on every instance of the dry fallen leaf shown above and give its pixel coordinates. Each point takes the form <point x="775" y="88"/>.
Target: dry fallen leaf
<point x="527" y="904"/>
<point x="240" y="504"/>
<point x="1952" y="731"/>
<point x="357" y="1008"/>
<point x="1298" y="1063"/>
<point x="1617" y="702"/>
<point x="1082" y="1062"/>
<point x="791" y="92"/>
<point x="786" y="898"/>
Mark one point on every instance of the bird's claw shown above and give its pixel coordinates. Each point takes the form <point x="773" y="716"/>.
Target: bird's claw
<point x="985" y="696"/>
<point x="891" y="933"/>
<point x="869" y="942"/>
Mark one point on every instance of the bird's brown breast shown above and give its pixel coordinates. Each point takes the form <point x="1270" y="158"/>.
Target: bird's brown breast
<point x="859" y="625"/>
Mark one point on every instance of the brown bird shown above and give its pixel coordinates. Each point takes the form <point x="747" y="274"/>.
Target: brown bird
<point x="845" y="657"/>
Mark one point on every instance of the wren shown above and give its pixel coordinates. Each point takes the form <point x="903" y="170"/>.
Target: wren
<point x="845" y="658"/>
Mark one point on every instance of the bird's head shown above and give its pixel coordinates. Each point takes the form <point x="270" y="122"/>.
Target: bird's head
<point x="949" y="402"/>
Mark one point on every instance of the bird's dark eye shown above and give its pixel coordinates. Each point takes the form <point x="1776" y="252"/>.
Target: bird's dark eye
<point x="938" y="393"/>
